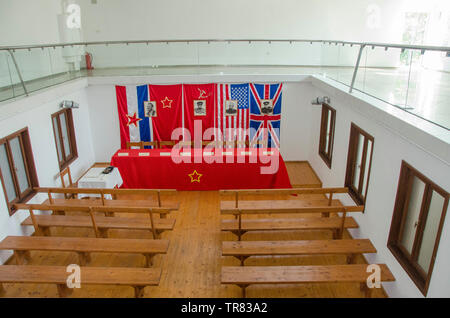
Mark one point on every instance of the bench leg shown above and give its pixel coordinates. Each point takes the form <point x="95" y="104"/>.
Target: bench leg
<point x="326" y="214"/>
<point x="162" y="215"/>
<point x="242" y="259"/>
<point x="22" y="257"/>
<point x="158" y="234"/>
<point x="243" y="287"/>
<point x="59" y="213"/>
<point x="149" y="259"/>
<point x="103" y="233"/>
<point x="366" y="290"/>
<point x="139" y="291"/>
<point x="84" y="258"/>
<point x="110" y="214"/>
<point x="239" y="234"/>
<point x="351" y="259"/>
<point x="2" y="289"/>
<point x="45" y="230"/>
<point x="63" y="290"/>
<point x="337" y="235"/>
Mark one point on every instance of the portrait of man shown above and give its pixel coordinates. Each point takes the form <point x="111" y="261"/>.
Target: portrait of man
<point x="150" y="108"/>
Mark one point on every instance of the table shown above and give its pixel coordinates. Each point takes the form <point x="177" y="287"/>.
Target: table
<point x="94" y="178"/>
<point x="160" y="169"/>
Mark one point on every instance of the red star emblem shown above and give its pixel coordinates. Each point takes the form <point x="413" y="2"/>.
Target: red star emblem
<point x="133" y="120"/>
<point x="195" y="176"/>
<point x="167" y="102"/>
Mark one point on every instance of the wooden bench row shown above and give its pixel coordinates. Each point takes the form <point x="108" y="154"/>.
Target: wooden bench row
<point x="243" y="250"/>
<point x="138" y="278"/>
<point x="71" y="197"/>
<point x="100" y="224"/>
<point x="250" y="275"/>
<point x="83" y="246"/>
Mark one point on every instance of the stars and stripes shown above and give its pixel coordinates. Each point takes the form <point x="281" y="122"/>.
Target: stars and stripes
<point x="233" y="125"/>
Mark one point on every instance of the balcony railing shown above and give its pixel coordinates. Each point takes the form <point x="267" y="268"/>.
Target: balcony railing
<point x="413" y="78"/>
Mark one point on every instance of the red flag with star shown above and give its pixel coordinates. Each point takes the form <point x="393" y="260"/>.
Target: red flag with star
<point x="199" y="104"/>
<point x="168" y="100"/>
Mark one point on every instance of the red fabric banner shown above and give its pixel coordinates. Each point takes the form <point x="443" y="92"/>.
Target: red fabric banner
<point x="156" y="169"/>
<point x="122" y="109"/>
<point x="199" y="104"/>
<point x="168" y="99"/>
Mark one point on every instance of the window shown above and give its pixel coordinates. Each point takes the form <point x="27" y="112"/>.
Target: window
<point x="327" y="133"/>
<point x="66" y="145"/>
<point x="359" y="161"/>
<point x="419" y="213"/>
<point x="17" y="171"/>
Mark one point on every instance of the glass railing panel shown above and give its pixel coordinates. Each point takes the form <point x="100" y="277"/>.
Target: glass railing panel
<point x="330" y="60"/>
<point x="6" y="85"/>
<point x="347" y="57"/>
<point x="114" y="56"/>
<point x="382" y="75"/>
<point x="428" y="91"/>
<point x="33" y="64"/>
<point x="160" y="55"/>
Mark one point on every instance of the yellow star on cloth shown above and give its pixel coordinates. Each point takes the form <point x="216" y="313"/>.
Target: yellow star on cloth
<point x="167" y="103"/>
<point x="195" y="176"/>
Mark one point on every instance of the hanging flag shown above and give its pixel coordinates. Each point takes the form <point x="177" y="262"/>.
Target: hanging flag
<point x="148" y="112"/>
<point x="265" y="114"/>
<point x="168" y="99"/>
<point x="232" y="115"/>
<point x="199" y="104"/>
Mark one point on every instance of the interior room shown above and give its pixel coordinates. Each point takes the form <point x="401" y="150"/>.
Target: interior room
<point x="224" y="149"/>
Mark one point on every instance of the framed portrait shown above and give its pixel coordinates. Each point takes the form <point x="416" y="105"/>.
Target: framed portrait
<point x="199" y="107"/>
<point x="267" y="106"/>
<point x="231" y="107"/>
<point x="150" y="108"/>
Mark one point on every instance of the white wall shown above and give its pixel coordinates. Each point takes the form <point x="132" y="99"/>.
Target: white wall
<point x="392" y="144"/>
<point x="35" y="112"/>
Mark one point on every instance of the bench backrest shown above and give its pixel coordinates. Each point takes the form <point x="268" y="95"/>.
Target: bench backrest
<point x="90" y="210"/>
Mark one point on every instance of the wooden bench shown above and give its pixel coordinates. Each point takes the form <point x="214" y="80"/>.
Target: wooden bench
<point x="100" y="224"/>
<point x="83" y="246"/>
<point x="138" y="278"/>
<point x="244" y="250"/>
<point x="238" y="194"/>
<point x="114" y="193"/>
<point x="288" y="206"/>
<point x="335" y="224"/>
<point x="244" y="276"/>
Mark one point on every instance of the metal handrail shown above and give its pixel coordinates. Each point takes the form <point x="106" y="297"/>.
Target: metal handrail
<point x="368" y="44"/>
<point x="362" y="46"/>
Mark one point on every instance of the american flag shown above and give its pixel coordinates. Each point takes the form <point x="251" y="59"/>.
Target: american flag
<point x="265" y="126"/>
<point x="234" y="124"/>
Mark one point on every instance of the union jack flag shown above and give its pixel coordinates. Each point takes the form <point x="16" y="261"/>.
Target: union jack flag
<point x="265" y="114"/>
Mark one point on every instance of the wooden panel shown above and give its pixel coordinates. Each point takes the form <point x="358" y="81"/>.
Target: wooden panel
<point x="89" y="275"/>
<point x="300" y="274"/>
<point x="287" y="191"/>
<point x="107" y="191"/>
<point x="290" y="206"/>
<point x="302" y="174"/>
<point x="84" y="244"/>
<point x="288" y="224"/>
<point x="262" y="204"/>
<point x="102" y="222"/>
<point x="231" y="248"/>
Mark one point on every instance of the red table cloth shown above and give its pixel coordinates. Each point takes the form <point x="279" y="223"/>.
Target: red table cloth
<point x="158" y="169"/>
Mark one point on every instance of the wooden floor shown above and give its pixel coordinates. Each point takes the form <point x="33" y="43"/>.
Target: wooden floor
<point x="193" y="263"/>
<point x="302" y="175"/>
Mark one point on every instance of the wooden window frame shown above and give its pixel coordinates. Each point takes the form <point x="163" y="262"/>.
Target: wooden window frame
<point x="71" y="135"/>
<point x="327" y="156"/>
<point x="30" y="169"/>
<point x="357" y="194"/>
<point x="409" y="261"/>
